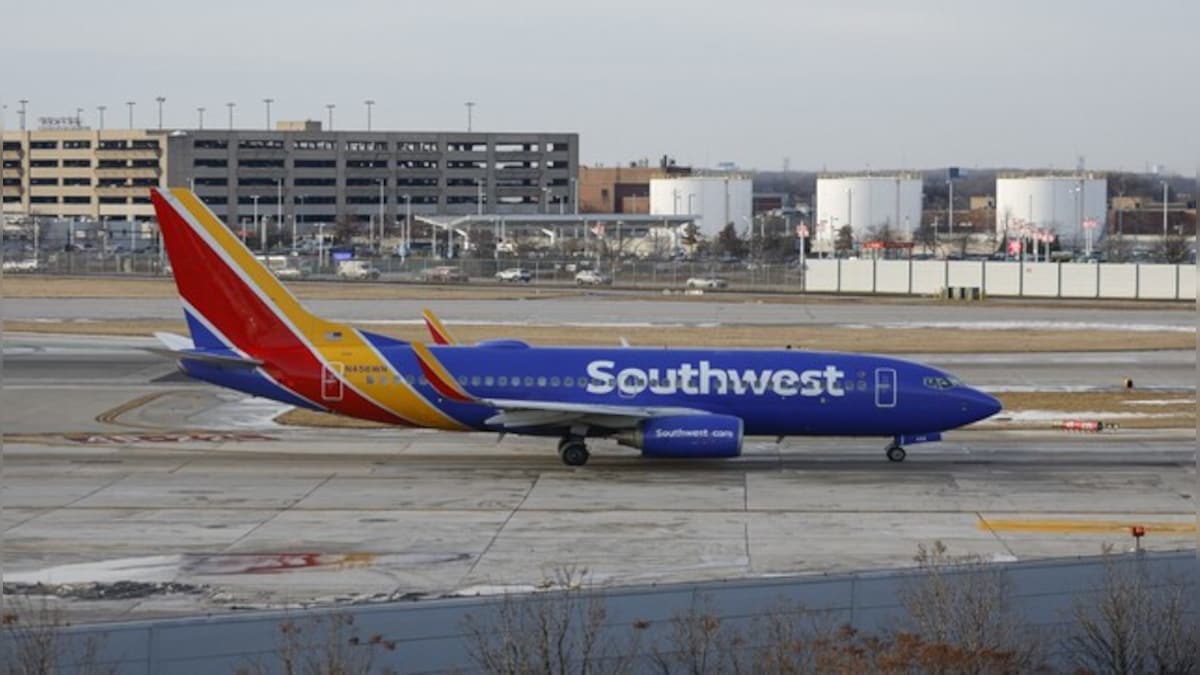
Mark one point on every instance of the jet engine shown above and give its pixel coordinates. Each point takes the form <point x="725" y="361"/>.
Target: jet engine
<point x="686" y="436"/>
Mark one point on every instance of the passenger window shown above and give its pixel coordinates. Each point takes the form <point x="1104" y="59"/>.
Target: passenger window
<point x="528" y="381"/>
<point x="462" y="379"/>
<point x="569" y="381"/>
<point x="489" y="381"/>
<point x="370" y="379"/>
<point x="554" y="382"/>
<point x="475" y="380"/>
<point x="541" y="381"/>
<point x="503" y="380"/>
<point x="424" y="382"/>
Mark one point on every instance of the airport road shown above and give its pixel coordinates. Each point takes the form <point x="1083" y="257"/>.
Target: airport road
<point x="100" y="488"/>
<point x="606" y="309"/>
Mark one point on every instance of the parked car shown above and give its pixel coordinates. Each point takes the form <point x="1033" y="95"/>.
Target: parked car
<point x="514" y="274"/>
<point x="356" y="269"/>
<point x="446" y="275"/>
<point x="26" y="265"/>
<point x="592" y="278"/>
<point x="707" y="283"/>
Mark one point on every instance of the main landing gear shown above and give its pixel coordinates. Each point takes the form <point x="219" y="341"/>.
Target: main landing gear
<point x="573" y="451"/>
<point x="896" y="453"/>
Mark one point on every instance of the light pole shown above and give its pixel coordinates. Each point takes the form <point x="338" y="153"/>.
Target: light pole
<point x="295" y="217"/>
<point x="479" y="196"/>
<point x="370" y="103"/>
<point x="100" y="109"/>
<point x="261" y="230"/>
<point x="330" y="107"/>
<point x="268" y="102"/>
<point x="278" y="205"/>
<point x="24" y="102"/>
<point x="470" y="108"/>
<point x="407" y="223"/>
<point x="230" y="105"/>
<point x="79" y="117"/>
<point x="160" y="100"/>
<point x="950" y="208"/>
<point x="200" y="112"/>
<point x="130" y="104"/>
<point x="575" y="193"/>
<point x="1164" y="201"/>
<point x="382" y="183"/>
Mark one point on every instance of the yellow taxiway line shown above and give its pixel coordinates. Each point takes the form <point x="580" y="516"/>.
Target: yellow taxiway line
<point x="1028" y="526"/>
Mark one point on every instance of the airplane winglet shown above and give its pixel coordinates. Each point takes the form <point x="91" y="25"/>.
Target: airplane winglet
<point x="437" y="329"/>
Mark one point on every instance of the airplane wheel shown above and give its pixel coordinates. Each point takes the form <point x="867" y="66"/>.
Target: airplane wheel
<point x="896" y="453"/>
<point x="574" y="453"/>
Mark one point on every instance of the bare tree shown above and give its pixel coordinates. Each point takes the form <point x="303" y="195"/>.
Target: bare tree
<point x="845" y="239"/>
<point x="1173" y="248"/>
<point x="38" y="642"/>
<point x="1117" y="248"/>
<point x="699" y="643"/>
<point x="323" y="644"/>
<point x="1135" y="623"/>
<point x="963" y="603"/>
<point x="729" y="243"/>
<point x="550" y="633"/>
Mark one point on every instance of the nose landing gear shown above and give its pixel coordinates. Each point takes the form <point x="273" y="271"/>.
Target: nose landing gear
<point x="895" y="452"/>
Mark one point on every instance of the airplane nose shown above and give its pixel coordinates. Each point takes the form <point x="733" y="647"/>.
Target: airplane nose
<point x="981" y="405"/>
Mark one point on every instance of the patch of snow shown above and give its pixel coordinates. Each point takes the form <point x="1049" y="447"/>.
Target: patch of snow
<point x="146" y="568"/>
<point x="1050" y="415"/>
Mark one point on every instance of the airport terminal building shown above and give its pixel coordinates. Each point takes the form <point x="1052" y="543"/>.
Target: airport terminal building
<point x="297" y="171"/>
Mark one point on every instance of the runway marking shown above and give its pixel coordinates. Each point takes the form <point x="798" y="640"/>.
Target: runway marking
<point x="84" y="438"/>
<point x="1083" y="526"/>
<point x="112" y="416"/>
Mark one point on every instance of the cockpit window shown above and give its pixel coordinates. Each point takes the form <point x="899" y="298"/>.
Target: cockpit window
<point x="942" y="382"/>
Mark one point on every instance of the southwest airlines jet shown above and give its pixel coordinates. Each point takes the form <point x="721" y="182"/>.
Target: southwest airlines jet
<point x="249" y="333"/>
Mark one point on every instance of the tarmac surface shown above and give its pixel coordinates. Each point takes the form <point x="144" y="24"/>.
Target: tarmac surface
<point x="607" y="309"/>
<point x="117" y="469"/>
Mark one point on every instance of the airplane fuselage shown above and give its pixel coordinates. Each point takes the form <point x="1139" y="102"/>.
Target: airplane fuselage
<point x="774" y="392"/>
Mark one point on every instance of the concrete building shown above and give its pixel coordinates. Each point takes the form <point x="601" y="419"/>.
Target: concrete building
<point x="81" y="173"/>
<point x="622" y="189"/>
<point x="1058" y="203"/>
<point x="297" y="172"/>
<point x="867" y="203"/>
<point x="714" y="200"/>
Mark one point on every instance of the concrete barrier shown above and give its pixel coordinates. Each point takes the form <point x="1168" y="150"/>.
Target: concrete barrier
<point x="431" y="635"/>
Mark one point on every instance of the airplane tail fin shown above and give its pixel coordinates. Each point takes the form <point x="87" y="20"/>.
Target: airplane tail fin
<point x="230" y="299"/>
<point x="437" y="330"/>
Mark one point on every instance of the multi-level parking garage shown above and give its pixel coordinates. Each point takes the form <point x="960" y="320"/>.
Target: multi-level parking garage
<point x="295" y="173"/>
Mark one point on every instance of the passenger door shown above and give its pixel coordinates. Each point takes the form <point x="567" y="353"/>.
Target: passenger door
<point x="885" y="387"/>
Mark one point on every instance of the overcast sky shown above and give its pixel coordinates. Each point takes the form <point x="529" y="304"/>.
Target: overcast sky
<point x="830" y="84"/>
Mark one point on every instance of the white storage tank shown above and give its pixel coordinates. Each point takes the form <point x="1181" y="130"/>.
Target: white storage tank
<point x="1056" y="203"/>
<point x="717" y="200"/>
<point x="867" y="203"/>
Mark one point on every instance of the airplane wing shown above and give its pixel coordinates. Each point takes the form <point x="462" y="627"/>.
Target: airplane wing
<point x="513" y="414"/>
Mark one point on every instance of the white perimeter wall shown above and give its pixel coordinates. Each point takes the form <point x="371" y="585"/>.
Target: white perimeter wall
<point x="1047" y="280"/>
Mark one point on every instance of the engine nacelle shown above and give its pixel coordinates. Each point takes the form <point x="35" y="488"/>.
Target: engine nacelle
<point x="686" y="436"/>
